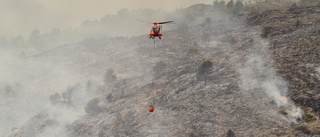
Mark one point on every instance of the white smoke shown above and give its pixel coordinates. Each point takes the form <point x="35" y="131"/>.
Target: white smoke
<point x="257" y="76"/>
<point x="25" y="87"/>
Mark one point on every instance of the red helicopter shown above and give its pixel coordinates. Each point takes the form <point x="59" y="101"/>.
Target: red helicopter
<point x="156" y="30"/>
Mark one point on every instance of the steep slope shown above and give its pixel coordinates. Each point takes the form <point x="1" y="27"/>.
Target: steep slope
<point x="247" y="90"/>
<point x="186" y="106"/>
<point x="294" y="36"/>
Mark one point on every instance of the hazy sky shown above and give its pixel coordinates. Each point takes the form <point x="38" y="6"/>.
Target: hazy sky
<point x="22" y="16"/>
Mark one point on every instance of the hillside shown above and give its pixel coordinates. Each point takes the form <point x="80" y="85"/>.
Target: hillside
<point x="294" y="37"/>
<point x="263" y="80"/>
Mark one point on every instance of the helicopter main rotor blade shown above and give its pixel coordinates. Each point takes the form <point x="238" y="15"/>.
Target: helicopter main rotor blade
<point x="164" y="22"/>
<point x="145" y="21"/>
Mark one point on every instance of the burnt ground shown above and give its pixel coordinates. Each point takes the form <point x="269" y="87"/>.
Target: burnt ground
<point x="294" y="37"/>
<point x="235" y="95"/>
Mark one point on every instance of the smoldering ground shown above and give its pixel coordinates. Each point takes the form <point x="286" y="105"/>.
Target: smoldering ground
<point x="257" y="76"/>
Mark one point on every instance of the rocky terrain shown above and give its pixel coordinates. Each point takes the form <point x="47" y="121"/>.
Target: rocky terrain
<point x="253" y="75"/>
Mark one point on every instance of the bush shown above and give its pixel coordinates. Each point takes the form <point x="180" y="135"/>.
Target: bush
<point x="316" y="29"/>
<point x="308" y="118"/>
<point x="204" y="66"/>
<point x="222" y="3"/>
<point x="118" y="119"/>
<point x="109" y="98"/>
<point x="297" y="23"/>
<point x="303" y="129"/>
<point x="194" y="50"/>
<point x="265" y="31"/>
<point x="109" y="76"/>
<point x="66" y="96"/>
<point x="293" y="7"/>
<point x="238" y="8"/>
<point x="89" y="85"/>
<point x="216" y="4"/>
<point x="8" y="89"/>
<point x="93" y="106"/>
<point x="230" y="5"/>
<point x="283" y="112"/>
<point x="203" y="69"/>
<point x="159" y="69"/>
<point x="55" y="98"/>
<point x="230" y="133"/>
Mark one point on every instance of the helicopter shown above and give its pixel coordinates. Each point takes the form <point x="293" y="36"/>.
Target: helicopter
<point x="156" y="30"/>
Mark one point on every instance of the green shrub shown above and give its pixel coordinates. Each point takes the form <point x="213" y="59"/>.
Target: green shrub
<point x="118" y="119"/>
<point x="222" y="3"/>
<point x="55" y="99"/>
<point x="89" y="85"/>
<point x="238" y="8"/>
<point x="294" y="6"/>
<point x="230" y="5"/>
<point x="216" y="4"/>
<point x="303" y="129"/>
<point x="265" y="31"/>
<point x="66" y="96"/>
<point x="8" y="89"/>
<point x="110" y="98"/>
<point x="297" y="23"/>
<point x="159" y="69"/>
<point x="204" y="66"/>
<point x="283" y="112"/>
<point x="308" y="118"/>
<point x="109" y="76"/>
<point x="194" y="50"/>
<point x="93" y="106"/>
<point x="230" y="133"/>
